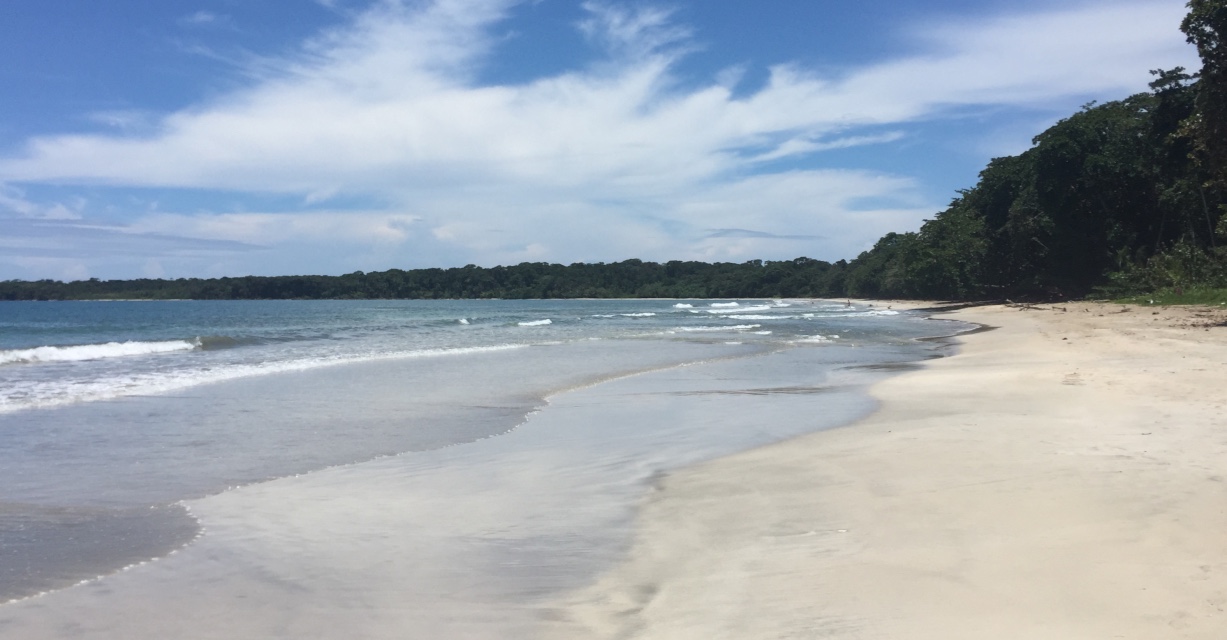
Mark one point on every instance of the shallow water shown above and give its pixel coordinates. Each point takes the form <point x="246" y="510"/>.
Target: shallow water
<point x="389" y="496"/>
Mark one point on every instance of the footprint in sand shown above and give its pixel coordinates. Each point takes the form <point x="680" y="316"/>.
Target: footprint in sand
<point x="1072" y="378"/>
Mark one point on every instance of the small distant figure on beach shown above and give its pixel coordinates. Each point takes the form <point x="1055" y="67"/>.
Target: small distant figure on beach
<point x="848" y="303"/>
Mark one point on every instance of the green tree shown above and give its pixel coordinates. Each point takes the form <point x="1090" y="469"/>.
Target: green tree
<point x="1205" y="26"/>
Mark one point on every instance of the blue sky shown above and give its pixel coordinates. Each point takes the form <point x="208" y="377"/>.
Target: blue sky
<point x="175" y="138"/>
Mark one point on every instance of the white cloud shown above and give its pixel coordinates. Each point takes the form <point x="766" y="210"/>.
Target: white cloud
<point x="369" y="228"/>
<point x="200" y="17"/>
<point x="50" y="267"/>
<point x="1089" y="50"/>
<point x="800" y="146"/>
<point x="632" y="33"/>
<point x="603" y="162"/>
<point x="204" y="18"/>
<point x="13" y="202"/>
<point x="126" y="120"/>
<point x="74" y="249"/>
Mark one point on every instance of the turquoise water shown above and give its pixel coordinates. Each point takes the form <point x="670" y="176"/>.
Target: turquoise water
<point x="115" y="416"/>
<point x="56" y="353"/>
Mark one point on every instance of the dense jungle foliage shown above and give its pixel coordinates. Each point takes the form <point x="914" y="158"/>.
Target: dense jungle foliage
<point x="631" y="278"/>
<point x="1119" y="198"/>
<point x="1116" y="197"/>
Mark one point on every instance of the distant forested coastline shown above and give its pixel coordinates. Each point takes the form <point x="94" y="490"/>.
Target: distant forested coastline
<point x="1120" y="198"/>
<point x="627" y="279"/>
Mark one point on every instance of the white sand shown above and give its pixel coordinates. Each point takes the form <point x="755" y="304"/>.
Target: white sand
<point x="1064" y="476"/>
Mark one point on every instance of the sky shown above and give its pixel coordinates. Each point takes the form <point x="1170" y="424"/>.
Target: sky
<point x="205" y="138"/>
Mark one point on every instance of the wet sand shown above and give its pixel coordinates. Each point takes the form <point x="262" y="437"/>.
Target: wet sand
<point x="472" y="541"/>
<point x="1063" y="476"/>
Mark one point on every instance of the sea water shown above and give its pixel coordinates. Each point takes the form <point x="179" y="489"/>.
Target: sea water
<point x="308" y="468"/>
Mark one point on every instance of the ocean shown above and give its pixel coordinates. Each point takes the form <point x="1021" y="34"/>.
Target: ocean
<point x="381" y="468"/>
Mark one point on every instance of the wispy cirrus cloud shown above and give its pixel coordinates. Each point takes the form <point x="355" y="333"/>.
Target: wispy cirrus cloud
<point x="15" y="204"/>
<point x="203" y="18"/>
<point x="634" y="34"/>
<point x="604" y="161"/>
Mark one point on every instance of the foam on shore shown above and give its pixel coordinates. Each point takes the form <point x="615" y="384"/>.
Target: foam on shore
<point x="22" y="395"/>
<point x="471" y="541"/>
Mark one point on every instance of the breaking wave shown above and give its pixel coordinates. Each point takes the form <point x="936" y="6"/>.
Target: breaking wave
<point x="737" y="327"/>
<point x="77" y="353"/>
<point x="38" y="394"/>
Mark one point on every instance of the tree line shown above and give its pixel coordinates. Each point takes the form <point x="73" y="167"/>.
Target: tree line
<point x="1123" y="197"/>
<point x="802" y="277"/>
<point x="1118" y="198"/>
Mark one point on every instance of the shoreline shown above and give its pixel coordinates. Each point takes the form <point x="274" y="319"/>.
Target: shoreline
<point x="1062" y="476"/>
<point x="468" y="541"/>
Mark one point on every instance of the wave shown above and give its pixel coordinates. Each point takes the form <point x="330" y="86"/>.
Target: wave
<point x="740" y="309"/>
<point x="760" y="317"/>
<point x="536" y="323"/>
<point x="817" y="339"/>
<point x="738" y="327"/>
<point x="637" y="315"/>
<point x="857" y="313"/>
<point x="683" y="305"/>
<point x="724" y="305"/>
<point x="213" y="343"/>
<point x="36" y="395"/>
<point x="77" y="353"/>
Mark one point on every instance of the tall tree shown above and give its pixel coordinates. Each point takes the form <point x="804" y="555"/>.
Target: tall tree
<point x="1205" y="26"/>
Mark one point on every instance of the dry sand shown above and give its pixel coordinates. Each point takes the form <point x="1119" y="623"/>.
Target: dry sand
<point x="1063" y="476"/>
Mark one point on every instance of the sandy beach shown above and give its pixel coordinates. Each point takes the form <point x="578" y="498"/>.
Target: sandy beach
<point x="1063" y="476"/>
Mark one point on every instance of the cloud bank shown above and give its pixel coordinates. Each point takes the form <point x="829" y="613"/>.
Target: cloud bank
<point x="615" y="158"/>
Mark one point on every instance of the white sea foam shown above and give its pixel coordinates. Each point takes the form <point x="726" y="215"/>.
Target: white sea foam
<point x="760" y="317"/>
<point x="719" y="305"/>
<point x="870" y="313"/>
<point x="32" y="394"/>
<point x="740" y="309"/>
<point x="683" y="305"/>
<point x="738" y="327"/>
<point x="536" y="323"/>
<point x="854" y="313"/>
<point x="638" y="315"/>
<point x="77" y="353"/>
<point x="864" y="313"/>
<point x="464" y="321"/>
